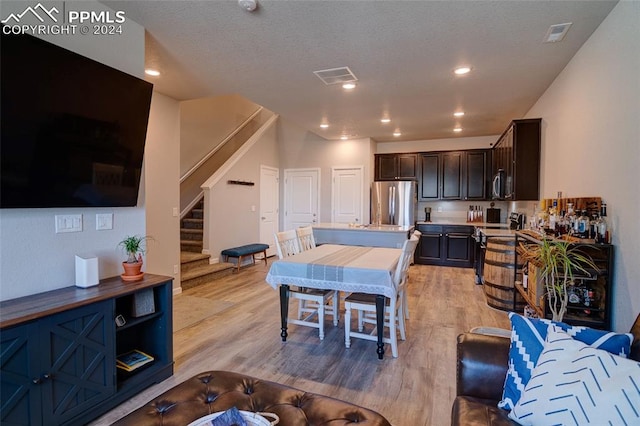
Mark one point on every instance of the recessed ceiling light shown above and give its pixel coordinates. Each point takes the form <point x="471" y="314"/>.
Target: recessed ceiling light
<point x="385" y="120"/>
<point x="458" y="113"/>
<point x="324" y="125"/>
<point x="344" y="137"/>
<point x="349" y="85"/>
<point x="457" y="129"/>
<point x="462" y="70"/>
<point x="397" y="133"/>
<point x="154" y="73"/>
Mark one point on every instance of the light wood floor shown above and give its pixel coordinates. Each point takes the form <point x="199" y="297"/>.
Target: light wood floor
<point x="417" y="388"/>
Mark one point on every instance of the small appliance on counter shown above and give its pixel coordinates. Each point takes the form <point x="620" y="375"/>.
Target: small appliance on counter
<point x="493" y="215"/>
<point x="516" y="221"/>
<point x="427" y="214"/>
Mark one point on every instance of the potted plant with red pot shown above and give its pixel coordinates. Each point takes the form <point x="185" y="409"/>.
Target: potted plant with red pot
<point x="134" y="247"/>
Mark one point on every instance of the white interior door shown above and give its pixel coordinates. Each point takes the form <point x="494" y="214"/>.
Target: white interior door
<point x="269" y="202"/>
<point x="347" y="195"/>
<point x="301" y="197"/>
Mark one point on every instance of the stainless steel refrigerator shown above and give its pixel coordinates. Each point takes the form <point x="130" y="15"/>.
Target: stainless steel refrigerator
<point x="394" y="202"/>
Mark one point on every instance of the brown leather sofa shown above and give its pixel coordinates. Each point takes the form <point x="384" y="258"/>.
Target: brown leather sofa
<point x="214" y="391"/>
<point x="481" y="369"/>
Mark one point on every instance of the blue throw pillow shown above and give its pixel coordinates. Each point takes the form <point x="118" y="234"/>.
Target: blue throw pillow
<point x="527" y="341"/>
<point x="575" y="384"/>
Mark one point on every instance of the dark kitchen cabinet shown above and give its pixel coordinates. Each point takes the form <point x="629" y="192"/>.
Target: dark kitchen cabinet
<point x="453" y="175"/>
<point x="476" y="175"/>
<point x="429" y="182"/>
<point x="446" y="245"/>
<point x="429" y="249"/>
<point x="58" y="363"/>
<point x="517" y="152"/>
<point x="396" y="166"/>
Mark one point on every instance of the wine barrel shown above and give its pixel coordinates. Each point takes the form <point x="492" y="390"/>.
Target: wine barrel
<point x="499" y="275"/>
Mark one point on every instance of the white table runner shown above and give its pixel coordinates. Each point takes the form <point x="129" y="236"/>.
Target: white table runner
<point x="337" y="267"/>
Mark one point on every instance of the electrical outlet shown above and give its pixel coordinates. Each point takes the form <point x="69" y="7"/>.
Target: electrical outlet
<point x="176" y="269"/>
<point x="439" y="209"/>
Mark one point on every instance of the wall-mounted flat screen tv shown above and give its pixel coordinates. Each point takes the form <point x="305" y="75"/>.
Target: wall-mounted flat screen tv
<point x="73" y="130"/>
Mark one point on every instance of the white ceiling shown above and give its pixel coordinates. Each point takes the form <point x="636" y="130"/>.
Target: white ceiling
<point x="402" y="52"/>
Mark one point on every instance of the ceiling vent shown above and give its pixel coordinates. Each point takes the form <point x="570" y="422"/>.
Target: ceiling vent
<point x="556" y="32"/>
<point x="336" y="75"/>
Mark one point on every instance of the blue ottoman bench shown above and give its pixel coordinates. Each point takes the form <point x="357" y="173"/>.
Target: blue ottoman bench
<point x="242" y="251"/>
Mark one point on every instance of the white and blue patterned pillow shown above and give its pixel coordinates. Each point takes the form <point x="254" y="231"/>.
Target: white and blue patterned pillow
<point x="575" y="384"/>
<point x="527" y="341"/>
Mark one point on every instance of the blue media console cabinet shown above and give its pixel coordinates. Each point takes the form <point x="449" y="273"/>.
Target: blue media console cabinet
<point x="58" y="349"/>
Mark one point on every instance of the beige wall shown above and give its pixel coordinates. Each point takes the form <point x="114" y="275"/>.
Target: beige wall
<point x="299" y="148"/>
<point x="591" y="141"/>
<point x="162" y="189"/>
<point x="204" y="123"/>
<point x="229" y="211"/>
<point x="33" y="258"/>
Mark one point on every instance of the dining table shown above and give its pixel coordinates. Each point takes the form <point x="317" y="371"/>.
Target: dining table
<point x="346" y="268"/>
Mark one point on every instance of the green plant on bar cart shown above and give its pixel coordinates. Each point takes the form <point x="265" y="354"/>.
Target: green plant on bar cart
<point x="558" y="261"/>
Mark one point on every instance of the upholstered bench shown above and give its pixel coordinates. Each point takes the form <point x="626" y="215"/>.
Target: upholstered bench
<point x="214" y="391"/>
<point x="242" y="251"/>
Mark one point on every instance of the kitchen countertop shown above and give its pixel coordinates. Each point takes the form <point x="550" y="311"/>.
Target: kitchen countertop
<point x="376" y="228"/>
<point x="455" y="221"/>
<point x="487" y="232"/>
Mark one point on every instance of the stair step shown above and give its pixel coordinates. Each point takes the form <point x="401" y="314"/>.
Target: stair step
<point x="191" y="245"/>
<point x="191" y="234"/>
<point x="192" y="260"/>
<point x="205" y="274"/>
<point x="192" y="223"/>
<point x="197" y="213"/>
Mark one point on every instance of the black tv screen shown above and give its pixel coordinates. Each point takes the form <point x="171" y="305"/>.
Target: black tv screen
<point x="72" y="129"/>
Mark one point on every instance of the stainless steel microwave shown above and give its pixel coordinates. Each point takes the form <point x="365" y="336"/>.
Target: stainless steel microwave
<point x="498" y="185"/>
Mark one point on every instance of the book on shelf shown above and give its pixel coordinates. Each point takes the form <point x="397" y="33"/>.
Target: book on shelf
<point x="133" y="359"/>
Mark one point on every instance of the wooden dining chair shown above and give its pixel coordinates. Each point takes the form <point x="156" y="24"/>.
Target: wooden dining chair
<point x="311" y="302"/>
<point x="305" y="237"/>
<point x="365" y="304"/>
<point x="416" y="234"/>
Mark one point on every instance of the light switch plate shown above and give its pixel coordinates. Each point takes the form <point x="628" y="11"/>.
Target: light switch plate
<point x="68" y="223"/>
<point x="104" y="221"/>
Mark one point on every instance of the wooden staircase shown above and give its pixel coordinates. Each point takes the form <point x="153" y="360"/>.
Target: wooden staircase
<point x="194" y="265"/>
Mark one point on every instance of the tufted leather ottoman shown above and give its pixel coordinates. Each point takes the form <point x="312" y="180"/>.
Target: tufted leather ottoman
<point x="214" y="391"/>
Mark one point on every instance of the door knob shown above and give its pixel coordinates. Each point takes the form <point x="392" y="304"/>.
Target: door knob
<point x="263" y="218"/>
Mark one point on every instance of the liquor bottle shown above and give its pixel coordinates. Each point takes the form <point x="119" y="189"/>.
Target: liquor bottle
<point x="603" y="231"/>
<point x="570" y="219"/>
<point x="583" y="225"/>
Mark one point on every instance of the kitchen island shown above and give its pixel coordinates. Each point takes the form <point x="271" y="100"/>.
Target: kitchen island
<point x="392" y="236"/>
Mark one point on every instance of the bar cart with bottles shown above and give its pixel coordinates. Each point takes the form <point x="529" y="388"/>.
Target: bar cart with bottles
<point x="589" y="298"/>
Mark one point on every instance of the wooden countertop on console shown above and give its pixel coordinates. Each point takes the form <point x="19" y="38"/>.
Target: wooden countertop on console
<point x="27" y="308"/>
